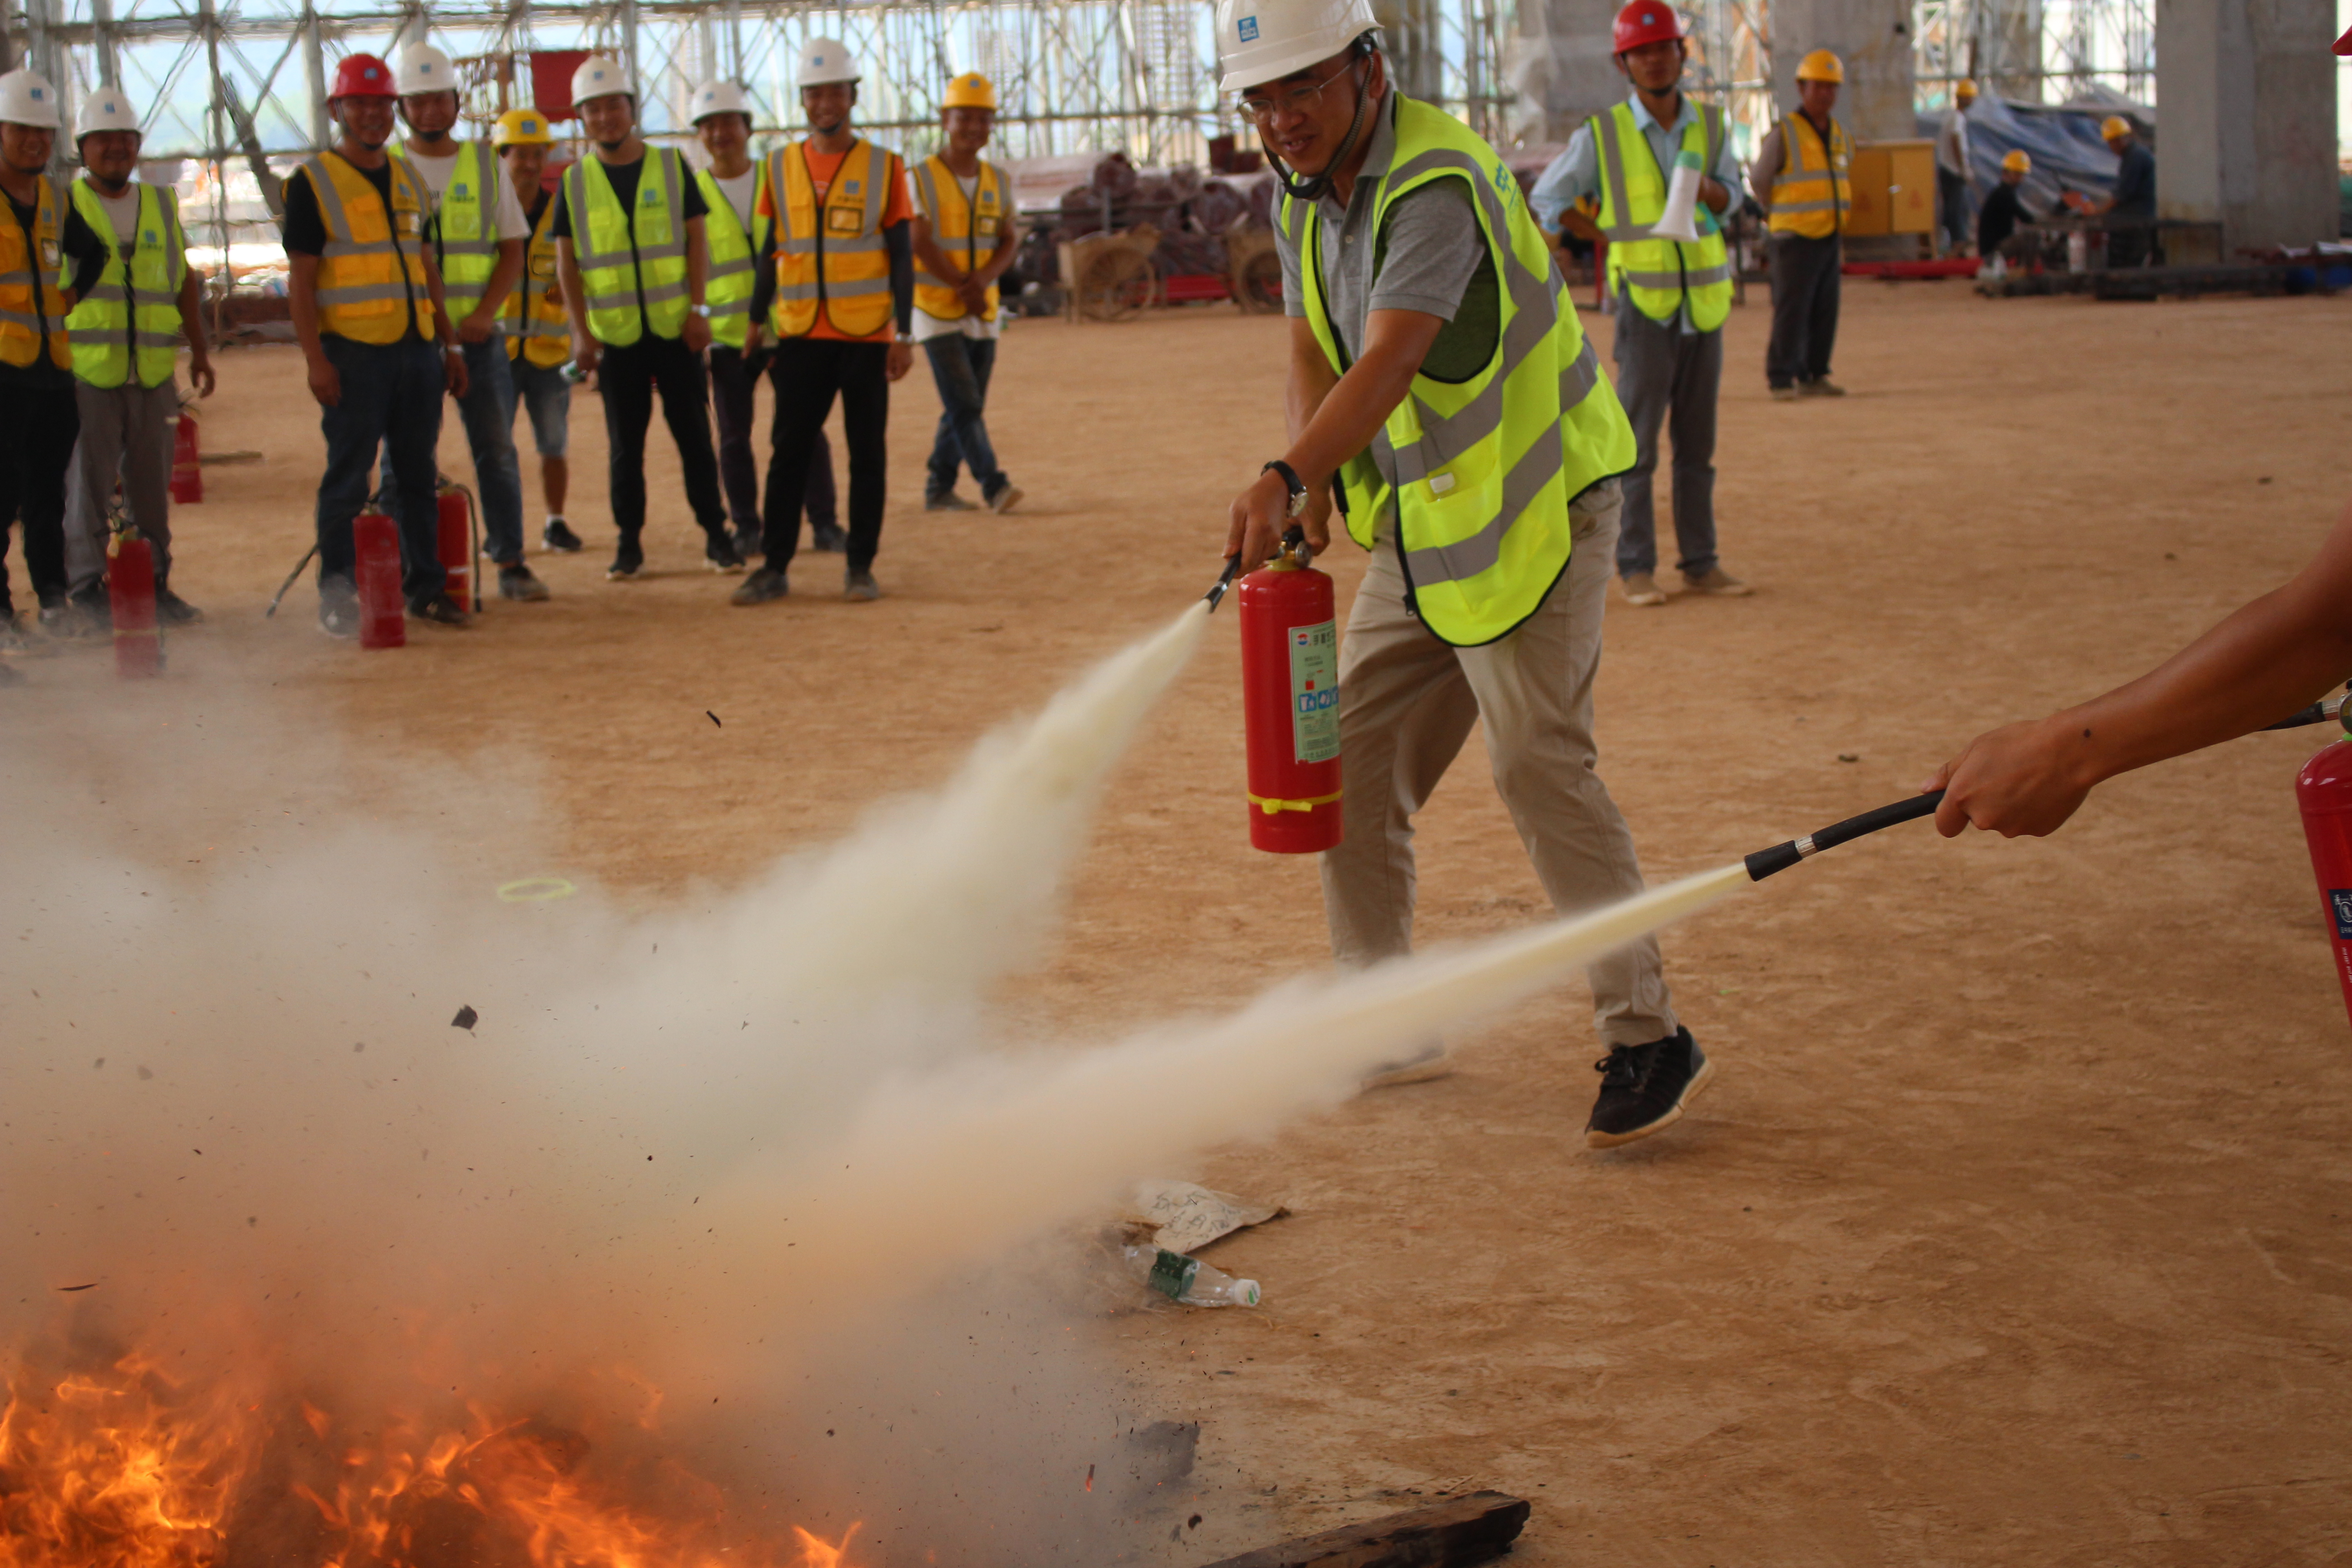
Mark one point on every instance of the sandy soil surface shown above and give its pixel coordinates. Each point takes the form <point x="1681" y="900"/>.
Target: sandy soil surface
<point x="2018" y="1225"/>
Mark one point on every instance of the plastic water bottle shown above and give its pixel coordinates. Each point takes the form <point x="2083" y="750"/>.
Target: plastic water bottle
<point x="1187" y="1280"/>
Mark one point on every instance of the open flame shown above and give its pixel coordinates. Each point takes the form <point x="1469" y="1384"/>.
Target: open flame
<point x="124" y="1466"/>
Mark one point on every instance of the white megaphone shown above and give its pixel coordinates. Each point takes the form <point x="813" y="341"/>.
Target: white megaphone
<point x="1680" y="218"/>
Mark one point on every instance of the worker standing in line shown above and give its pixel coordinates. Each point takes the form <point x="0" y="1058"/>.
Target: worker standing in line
<point x="2130" y="207"/>
<point x="1442" y="390"/>
<point x="721" y="116"/>
<point x="124" y="333"/>
<point x="1952" y="169"/>
<point x="2004" y="212"/>
<point x="836" y="286"/>
<point x="367" y="307"/>
<point x="478" y="234"/>
<point x="963" y="203"/>
<point x="1673" y="295"/>
<point x="1800" y="179"/>
<point x="537" y="327"/>
<point x="630" y="252"/>
<point x="37" y="418"/>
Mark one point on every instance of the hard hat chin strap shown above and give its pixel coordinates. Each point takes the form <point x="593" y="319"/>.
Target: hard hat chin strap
<point x="1313" y="186"/>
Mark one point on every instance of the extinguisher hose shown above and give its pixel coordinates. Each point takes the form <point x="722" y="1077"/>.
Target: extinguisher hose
<point x="1781" y="857"/>
<point x="2317" y="713"/>
<point x="1294" y="544"/>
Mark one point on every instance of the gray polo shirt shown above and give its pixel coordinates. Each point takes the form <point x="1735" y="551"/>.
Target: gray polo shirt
<point x="1430" y="257"/>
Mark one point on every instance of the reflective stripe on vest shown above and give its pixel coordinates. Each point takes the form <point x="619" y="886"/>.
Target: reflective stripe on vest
<point x="835" y="263"/>
<point x="30" y="301"/>
<point x="464" y="227"/>
<point x="371" y="286"/>
<point x="958" y="228"/>
<point x="1480" y="472"/>
<point x="1659" y="275"/>
<point x="537" y="326"/>
<point x="130" y="316"/>
<point x="622" y="263"/>
<point x="1810" y="195"/>
<point x="726" y="286"/>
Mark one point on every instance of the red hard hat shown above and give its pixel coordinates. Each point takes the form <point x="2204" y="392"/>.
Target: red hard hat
<point x="361" y="76"/>
<point x="1644" y="22"/>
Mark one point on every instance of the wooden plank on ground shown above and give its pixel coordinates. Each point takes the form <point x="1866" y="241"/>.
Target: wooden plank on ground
<point x="1455" y="1533"/>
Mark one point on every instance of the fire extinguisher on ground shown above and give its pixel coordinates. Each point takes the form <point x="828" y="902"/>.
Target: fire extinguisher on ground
<point x="131" y="602"/>
<point x="187" y="471"/>
<point x="1290" y="702"/>
<point x="2324" y="791"/>
<point x="459" y="545"/>
<point x="375" y="551"/>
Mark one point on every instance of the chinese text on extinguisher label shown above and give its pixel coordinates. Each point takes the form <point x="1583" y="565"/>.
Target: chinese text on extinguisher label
<point x="1315" y="692"/>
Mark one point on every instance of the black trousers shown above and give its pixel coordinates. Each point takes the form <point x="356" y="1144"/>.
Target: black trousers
<point x="1804" y="308"/>
<point x="629" y="378"/>
<point x="731" y="386"/>
<point x="38" y="426"/>
<point x="807" y="374"/>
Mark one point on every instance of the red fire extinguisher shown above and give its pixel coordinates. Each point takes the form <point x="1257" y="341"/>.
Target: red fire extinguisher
<point x="131" y="599"/>
<point x="2324" y="791"/>
<point x="1290" y="703"/>
<point x="187" y="472"/>
<point x="460" y="544"/>
<point x="375" y="545"/>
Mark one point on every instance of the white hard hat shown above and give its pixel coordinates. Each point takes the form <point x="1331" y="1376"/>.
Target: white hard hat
<point x="599" y="78"/>
<point x="105" y="110"/>
<point x="27" y="99"/>
<point x="421" y="67"/>
<point x="824" y="60"/>
<point x="1259" y="41"/>
<point x="717" y="98"/>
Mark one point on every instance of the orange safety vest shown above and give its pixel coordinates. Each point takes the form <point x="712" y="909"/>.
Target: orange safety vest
<point x="965" y="230"/>
<point x="839" y="264"/>
<point x="29" y="307"/>
<point x="371" y="273"/>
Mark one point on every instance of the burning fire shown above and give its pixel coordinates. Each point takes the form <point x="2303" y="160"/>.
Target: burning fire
<point x="122" y="1467"/>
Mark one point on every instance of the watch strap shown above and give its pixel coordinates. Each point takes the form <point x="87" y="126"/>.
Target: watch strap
<point x="1290" y="478"/>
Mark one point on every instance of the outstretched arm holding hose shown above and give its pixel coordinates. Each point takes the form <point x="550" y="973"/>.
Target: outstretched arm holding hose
<point x="2269" y="658"/>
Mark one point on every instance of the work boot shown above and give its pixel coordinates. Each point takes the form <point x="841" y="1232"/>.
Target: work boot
<point x="627" y="562"/>
<point x="517" y="580"/>
<point x="1717" y="580"/>
<point x="1642" y="588"/>
<point x="559" y="538"/>
<point x="828" y="538"/>
<point x="720" y="554"/>
<point x="1645" y="1089"/>
<point x="1820" y="386"/>
<point x="761" y="587"/>
<point x="859" y="588"/>
<point x="1006" y="498"/>
<point x="170" y="608"/>
<point x="1784" y="395"/>
<point x="947" y="500"/>
<point x="338" y="614"/>
<point x="440" y="609"/>
<point x="749" y="544"/>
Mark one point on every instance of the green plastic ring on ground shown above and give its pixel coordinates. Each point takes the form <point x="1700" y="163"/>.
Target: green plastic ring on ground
<point x="536" y="890"/>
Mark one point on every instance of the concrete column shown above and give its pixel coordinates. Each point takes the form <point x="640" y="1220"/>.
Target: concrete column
<point x="2246" y="118"/>
<point x="1559" y="65"/>
<point x="1873" y="38"/>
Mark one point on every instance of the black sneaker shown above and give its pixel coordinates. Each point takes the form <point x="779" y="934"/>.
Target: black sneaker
<point x="761" y="587"/>
<point x="339" y="618"/>
<point x="720" y="555"/>
<point x="558" y="537"/>
<point x="627" y="563"/>
<point x="1645" y="1089"/>
<point x="170" y="608"/>
<point x="828" y="538"/>
<point x="440" y="609"/>
<point x="948" y="500"/>
<point x="749" y="543"/>
<point x="860" y="586"/>
<point x="517" y="580"/>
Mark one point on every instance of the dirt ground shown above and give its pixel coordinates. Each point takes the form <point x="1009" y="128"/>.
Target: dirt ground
<point x="2017" y="1227"/>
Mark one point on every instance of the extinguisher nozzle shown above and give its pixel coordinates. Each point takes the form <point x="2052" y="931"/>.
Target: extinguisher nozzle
<point x="1781" y="857"/>
<point x="1216" y="595"/>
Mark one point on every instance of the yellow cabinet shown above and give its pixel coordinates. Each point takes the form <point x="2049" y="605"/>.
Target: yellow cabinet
<point x="1894" y="185"/>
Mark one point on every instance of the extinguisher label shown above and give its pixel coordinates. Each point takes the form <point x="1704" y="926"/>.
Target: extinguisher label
<point x="1315" y="692"/>
<point x="2339" y="901"/>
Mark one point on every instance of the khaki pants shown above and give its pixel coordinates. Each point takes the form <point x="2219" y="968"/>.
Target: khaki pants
<point x="1406" y="704"/>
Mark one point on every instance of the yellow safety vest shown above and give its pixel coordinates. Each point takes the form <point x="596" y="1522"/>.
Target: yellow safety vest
<point x="966" y="231"/>
<point x="620" y="264"/>
<point x="465" y="229"/>
<point x="727" y="286"/>
<point x="838" y="267"/>
<point x="29" y="304"/>
<point x="130" y="316"/>
<point x="1480" y="471"/>
<point x="537" y="326"/>
<point x="372" y="285"/>
<point x="1659" y="275"/>
<point x="1811" y="194"/>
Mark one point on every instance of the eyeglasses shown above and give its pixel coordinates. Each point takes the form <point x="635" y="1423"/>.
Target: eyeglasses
<point x="1263" y="107"/>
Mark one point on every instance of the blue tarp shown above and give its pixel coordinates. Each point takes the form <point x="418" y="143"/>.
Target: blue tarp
<point x="2063" y="143"/>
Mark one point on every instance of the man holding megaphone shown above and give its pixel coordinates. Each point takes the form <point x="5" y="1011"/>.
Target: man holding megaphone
<point x="1663" y="171"/>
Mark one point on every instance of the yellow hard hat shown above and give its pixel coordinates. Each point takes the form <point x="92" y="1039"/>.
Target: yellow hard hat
<point x="2017" y="161"/>
<point x="1965" y="92"/>
<point x="523" y="128"/>
<point x="2113" y="126"/>
<point x="970" y="90"/>
<point x="1820" y="66"/>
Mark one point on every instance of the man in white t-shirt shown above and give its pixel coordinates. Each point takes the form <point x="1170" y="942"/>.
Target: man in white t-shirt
<point x="964" y="239"/>
<point x="479" y="234"/>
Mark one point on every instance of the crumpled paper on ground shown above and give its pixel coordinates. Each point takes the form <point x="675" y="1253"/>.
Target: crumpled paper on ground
<point x="1184" y="1215"/>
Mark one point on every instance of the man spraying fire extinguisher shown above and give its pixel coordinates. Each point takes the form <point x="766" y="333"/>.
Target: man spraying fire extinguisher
<point x="1441" y="390"/>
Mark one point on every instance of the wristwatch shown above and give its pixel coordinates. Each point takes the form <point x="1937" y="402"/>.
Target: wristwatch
<point x="1297" y="486"/>
<point x="904" y="338"/>
<point x="702" y="310"/>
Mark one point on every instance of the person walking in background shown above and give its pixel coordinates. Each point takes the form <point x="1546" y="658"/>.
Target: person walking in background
<point x="630" y="253"/>
<point x="537" y="327"/>
<point x="1800" y="179"/>
<point x="836" y="276"/>
<point x="962" y="202"/>
<point x="366" y="302"/>
<point x="138" y="301"/>
<point x="38" y="417"/>
<point x="478" y="234"/>
<point x="1952" y="169"/>
<point x="2130" y="208"/>
<point x="1673" y="295"/>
